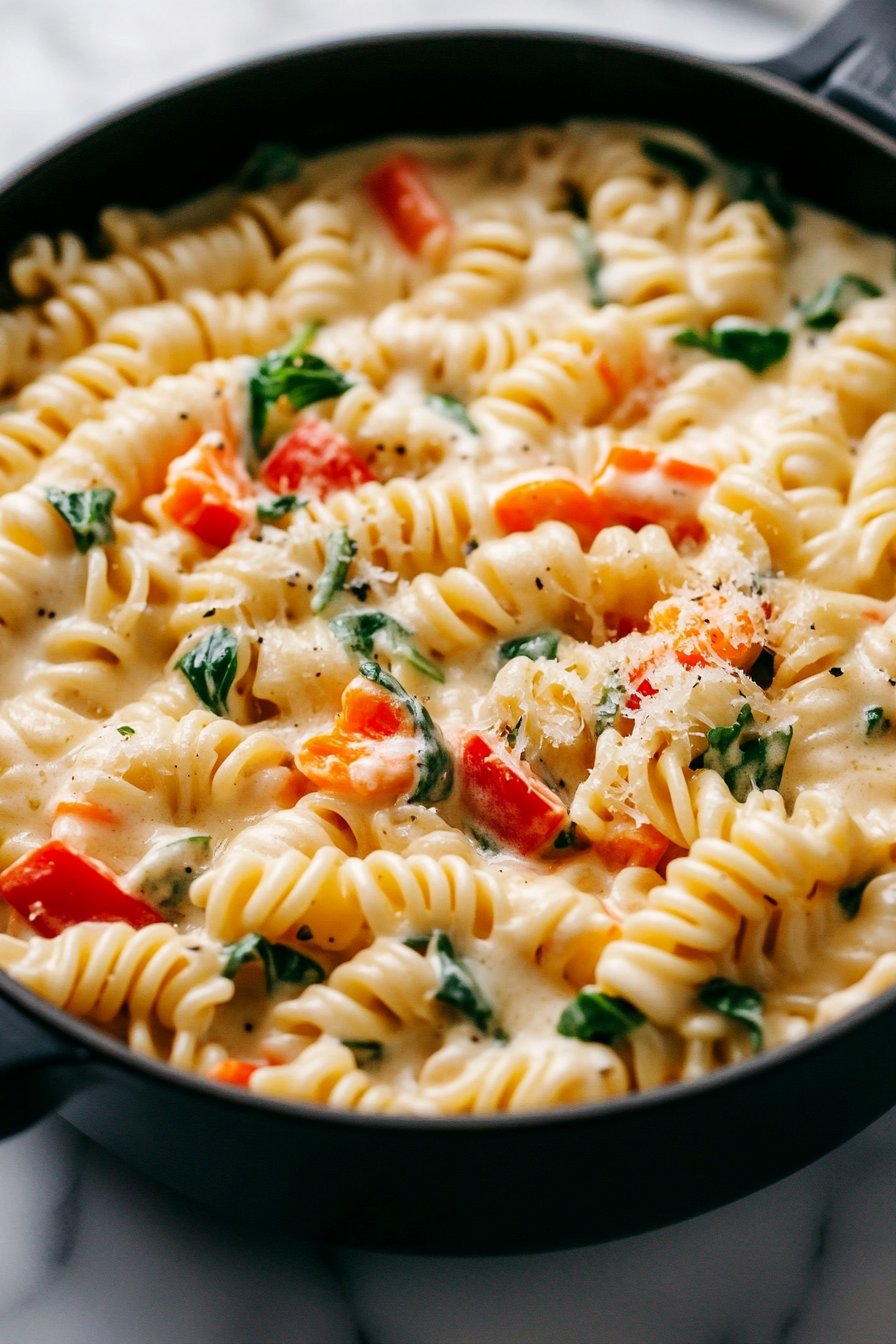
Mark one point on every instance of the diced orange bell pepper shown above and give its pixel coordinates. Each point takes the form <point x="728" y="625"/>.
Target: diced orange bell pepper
<point x="399" y="190"/>
<point x="538" y="498"/>
<point x="237" y="1072"/>
<point x="716" y="625"/>
<point x="370" y="752"/>
<point x="206" y="490"/>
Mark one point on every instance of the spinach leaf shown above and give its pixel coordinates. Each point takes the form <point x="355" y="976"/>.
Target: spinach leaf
<point x="745" y="759"/>
<point x="850" y="899"/>
<point x="270" y="510"/>
<point x="591" y="263"/>
<point x="763" y="670"/>
<point x="876" y="724"/>
<point x="270" y="165"/>
<point x="356" y="632"/>
<point x="435" y="769"/>
<point x="165" y="874"/>
<point x="599" y="1017"/>
<point x="566" y="839"/>
<point x="281" y="963"/>
<point x="611" y="700"/>
<point x="458" y="987"/>
<point x="340" y="551"/>
<point x="756" y="182"/>
<point x="692" y="170"/>
<point x="210" y="667"/>
<point x="454" y="410"/>
<point x="88" y="514"/>
<point x="292" y="373"/>
<point x="742" y="1003"/>
<point x="831" y="304"/>
<point x="542" y="645"/>
<point x="365" y="1052"/>
<point x="418" y="944"/>
<point x="754" y="344"/>
<point x="126" y="730"/>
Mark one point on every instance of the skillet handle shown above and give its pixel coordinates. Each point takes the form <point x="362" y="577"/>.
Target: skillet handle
<point x="39" y="1069"/>
<point x="851" y="60"/>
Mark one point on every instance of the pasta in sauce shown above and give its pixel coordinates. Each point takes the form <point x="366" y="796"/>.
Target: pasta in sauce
<point x="448" y="610"/>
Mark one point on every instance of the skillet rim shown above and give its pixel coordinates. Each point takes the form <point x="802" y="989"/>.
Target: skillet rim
<point x="105" y="1049"/>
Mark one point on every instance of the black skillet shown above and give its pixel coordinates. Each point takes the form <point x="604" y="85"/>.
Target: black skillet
<point x="505" y="1183"/>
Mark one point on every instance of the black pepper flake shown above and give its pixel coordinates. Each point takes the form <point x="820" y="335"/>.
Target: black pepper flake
<point x="41" y="612"/>
<point x="836" y="671"/>
<point x="211" y="611"/>
<point x="184" y="416"/>
<point x="538" y="584"/>
<point x="304" y="934"/>
<point x="51" y="615"/>
<point x="401" y="450"/>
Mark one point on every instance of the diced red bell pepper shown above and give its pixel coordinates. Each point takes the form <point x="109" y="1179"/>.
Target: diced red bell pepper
<point x="504" y="796"/>
<point x="237" y="1072"/>
<point x="314" y="460"/>
<point x="205" y="490"/>
<point x="53" y="888"/>
<point x="370" y="752"/>
<point x="399" y="190"/>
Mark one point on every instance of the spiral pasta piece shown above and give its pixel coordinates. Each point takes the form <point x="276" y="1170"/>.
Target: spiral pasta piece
<point x="525" y="1075"/>
<point x="412" y="526"/>
<point x="672" y="944"/>
<point x="454" y="355"/>
<point x="486" y="269"/>
<point x="526" y="580"/>
<point x="155" y="974"/>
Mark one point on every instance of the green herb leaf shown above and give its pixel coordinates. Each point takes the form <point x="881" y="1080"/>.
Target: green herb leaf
<point x="281" y="963"/>
<point x="268" y="166"/>
<point x="591" y="263"/>
<point x="340" y="550"/>
<point x="543" y="645"/>
<point x="365" y="1052"/>
<point x="754" y="344"/>
<point x="745" y="759"/>
<point x="356" y="632"/>
<point x="692" y="170"/>
<point x="742" y="1003"/>
<point x="126" y="730"/>
<point x="566" y="839"/>
<point x="454" y="410"/>
<point x="165" y="874"/>
<point x="271" y="510"/>
<point x="763" y="670"/>
<point x="435" y="769"/>
<point x="420" y="944"/>
<point x="210" y="667"/>
<point x="612" y="698"/>
<point x="599" y="1017"/>
<point x="876" y="725"/>
<point x="850" y="899"/>
<point x="756" y="182"/>
<point x="88" y="514"/>
<point x="292" y="373"/>
<point x="831" y="304"/>
<point x="458" y="987"/>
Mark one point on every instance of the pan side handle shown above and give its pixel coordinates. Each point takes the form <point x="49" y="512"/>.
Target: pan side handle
<point x="851" y="60"/>
<point x="39" y="1069"/>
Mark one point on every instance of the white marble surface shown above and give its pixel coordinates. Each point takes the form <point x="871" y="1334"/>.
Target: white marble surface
<point x="91" y="1253"/>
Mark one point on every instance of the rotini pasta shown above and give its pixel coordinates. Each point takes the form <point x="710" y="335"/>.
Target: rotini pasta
<point x="446" y="611"/>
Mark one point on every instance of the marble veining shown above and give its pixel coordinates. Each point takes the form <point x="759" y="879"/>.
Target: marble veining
<point x="91" y="1253"/>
